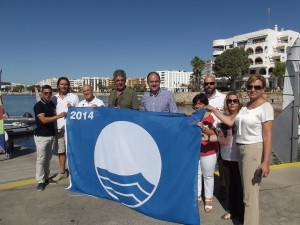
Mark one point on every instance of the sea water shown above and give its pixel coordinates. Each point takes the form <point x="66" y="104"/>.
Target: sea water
<point x="17" y="105"/>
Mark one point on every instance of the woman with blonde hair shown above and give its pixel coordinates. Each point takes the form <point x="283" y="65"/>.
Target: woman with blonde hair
<point x="226" y="136"/>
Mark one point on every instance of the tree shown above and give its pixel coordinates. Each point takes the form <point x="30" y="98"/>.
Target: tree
<point x="198" y="66"/>
<point x="232" y="63"/>
<point x="279" y="69"/>
<point x="31" y="88"/>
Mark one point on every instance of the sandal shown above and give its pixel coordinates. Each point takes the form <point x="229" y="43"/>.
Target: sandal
<point x="199" y="200"/>
<point x="226" y="216"/>
<point x="208" y="205"/>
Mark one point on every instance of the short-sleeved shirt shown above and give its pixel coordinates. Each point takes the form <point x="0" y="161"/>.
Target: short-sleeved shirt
<point x="249" y="123"/>
<point x="61" y="106"/>
<point x="47" y="108"/>
<point x="163" y="101"/>
<point x="96" y="101"/>
<point x="208" y="148"/>
<point x="127" y="99"/>
<point x="217" y="101"/>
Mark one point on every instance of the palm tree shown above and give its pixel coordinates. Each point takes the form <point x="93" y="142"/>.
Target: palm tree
<point x="198" y="66"/>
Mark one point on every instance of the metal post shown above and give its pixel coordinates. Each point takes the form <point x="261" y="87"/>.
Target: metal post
<point x="295" y="119"/>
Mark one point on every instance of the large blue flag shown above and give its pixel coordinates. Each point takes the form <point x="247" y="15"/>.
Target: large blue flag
<point x="147" y="161"/>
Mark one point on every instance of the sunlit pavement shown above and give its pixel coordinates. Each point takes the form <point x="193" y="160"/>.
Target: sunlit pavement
<point x="20" y="203"/>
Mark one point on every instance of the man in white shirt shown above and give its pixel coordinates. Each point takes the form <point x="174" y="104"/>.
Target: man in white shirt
<point x="90" y="100"/>
<point x="216" y="99"/>
<point x="63" y="100"/>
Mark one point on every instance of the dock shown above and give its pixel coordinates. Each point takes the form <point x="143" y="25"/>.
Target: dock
<point x="20" y="203"/>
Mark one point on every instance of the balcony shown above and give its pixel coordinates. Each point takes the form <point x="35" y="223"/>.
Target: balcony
<point x="218" y="43"/>
<point x="217" y="53"/>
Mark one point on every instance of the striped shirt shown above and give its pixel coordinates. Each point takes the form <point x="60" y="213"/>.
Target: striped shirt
<point x="163" y="101"/>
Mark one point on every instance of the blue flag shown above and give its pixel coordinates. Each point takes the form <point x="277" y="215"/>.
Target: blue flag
<point x="147" y="161"/>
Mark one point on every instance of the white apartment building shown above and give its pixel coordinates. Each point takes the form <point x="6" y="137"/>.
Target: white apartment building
<point x="174" y="80"/>
<point x="50" y="81"/>
<point x="97" y="82"/>
<point x="76" y="84"/>
<point x="264" y="47"/>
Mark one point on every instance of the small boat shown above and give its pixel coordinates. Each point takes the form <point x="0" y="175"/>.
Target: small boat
<point x="18" y="128"/>
<point x="26" y="118"/>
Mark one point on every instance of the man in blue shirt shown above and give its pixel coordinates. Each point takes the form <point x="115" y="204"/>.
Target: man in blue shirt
<point x="157" y="100"/>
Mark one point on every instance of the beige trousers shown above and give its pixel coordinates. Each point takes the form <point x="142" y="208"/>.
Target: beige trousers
<point x="250" y="157"/>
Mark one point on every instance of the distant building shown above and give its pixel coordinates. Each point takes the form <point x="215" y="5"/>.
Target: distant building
<point x="50" y="81"/>
<point x="264" y="47"/>
<point x="76" y="84"/>
<point x="175" y="81"/>
<point x="98" y="83"/>
<point x="170" y="80"/>
<point x="136" y="82"/>
<point x="208" y="67"/>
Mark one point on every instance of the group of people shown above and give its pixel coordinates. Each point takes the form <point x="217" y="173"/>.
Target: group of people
<point x="241" y="133"/>
<point x="50" y="114"/>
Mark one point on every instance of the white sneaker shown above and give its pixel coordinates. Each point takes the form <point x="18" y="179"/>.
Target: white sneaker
<point x="60" y="176"/>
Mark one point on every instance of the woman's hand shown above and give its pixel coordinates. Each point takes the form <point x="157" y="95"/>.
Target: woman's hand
<point x="264" y="168"/>
<point x="188" y="113"/>
<point x="201" y="125"/>
<point x="204" y="137"/>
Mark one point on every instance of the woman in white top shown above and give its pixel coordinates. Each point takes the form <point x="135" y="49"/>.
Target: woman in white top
<point x="254" y="124"/>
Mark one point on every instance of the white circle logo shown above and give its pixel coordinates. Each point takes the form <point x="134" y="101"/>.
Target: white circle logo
<point x="127" y="162"/>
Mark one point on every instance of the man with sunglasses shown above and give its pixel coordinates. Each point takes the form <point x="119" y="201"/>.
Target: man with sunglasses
<point x="44" y="136"/>
<point x="216" y="99"/>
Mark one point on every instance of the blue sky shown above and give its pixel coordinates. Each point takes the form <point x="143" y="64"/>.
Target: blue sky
<point x="42" y="39"/>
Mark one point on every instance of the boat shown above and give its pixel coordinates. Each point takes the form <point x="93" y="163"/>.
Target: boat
<point x="26" y="118"/>
<point x="18" y="128"/>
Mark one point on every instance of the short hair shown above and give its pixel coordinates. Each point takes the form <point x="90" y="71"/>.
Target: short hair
<point x="153" y="72"/>
<point x="202" y="98"/>
<point x="87" y="85"/>
<point x="120" y="73"/>
<point x="46" y="86"/>
<point x="254" y="78"/>
<point x="239" y="97"/>
<point x="210" y="75"/>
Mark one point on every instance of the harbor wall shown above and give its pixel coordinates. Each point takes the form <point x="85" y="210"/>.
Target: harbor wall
<point x="185" y="98"/>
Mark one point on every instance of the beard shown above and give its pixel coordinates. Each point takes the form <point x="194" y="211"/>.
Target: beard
<point x="210" y="90"/>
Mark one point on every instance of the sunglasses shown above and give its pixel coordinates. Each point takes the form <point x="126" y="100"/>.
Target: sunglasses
<point x="116" y="102"/>
<point x="47" y="93"/>
<point x="232" y="101"/>
<point x="256" y="87"/>
<point x="209" y="83"/>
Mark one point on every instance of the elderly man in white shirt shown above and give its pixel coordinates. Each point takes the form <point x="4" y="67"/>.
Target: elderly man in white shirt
<point x="90" y="100"/>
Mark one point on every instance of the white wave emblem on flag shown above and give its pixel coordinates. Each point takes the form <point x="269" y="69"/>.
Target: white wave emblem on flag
<point x="127" y="162"/>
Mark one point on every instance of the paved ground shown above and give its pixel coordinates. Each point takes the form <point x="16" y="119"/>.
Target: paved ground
<point x="20" y="203"/>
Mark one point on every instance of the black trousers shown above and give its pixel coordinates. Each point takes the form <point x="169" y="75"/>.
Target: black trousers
<point x="235" y="189"/>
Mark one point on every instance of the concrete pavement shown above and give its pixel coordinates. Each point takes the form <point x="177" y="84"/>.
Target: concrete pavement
<point x="20" y="203"/>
